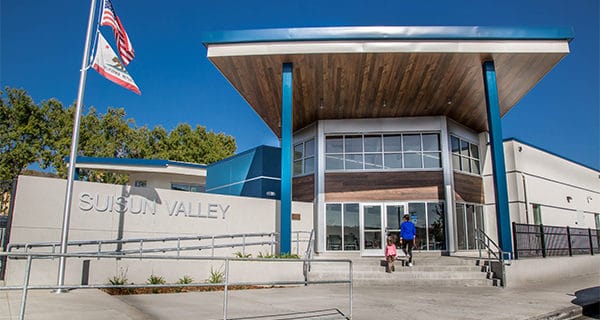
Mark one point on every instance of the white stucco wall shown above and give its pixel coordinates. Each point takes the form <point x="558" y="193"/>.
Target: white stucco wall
<point x="137" y="213"/>
<point x="537" y="177"/>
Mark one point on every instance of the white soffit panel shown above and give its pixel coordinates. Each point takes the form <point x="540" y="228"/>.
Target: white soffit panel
<point x="316" y="47"/>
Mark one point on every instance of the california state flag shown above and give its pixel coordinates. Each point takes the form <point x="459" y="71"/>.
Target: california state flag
<point x="110" y="66"/>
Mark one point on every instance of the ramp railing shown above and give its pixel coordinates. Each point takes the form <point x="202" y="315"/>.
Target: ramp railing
<point x="141" y="246"/>
<point x="226" y="283"/>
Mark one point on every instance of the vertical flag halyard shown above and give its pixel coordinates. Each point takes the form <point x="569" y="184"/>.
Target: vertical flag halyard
<point x="110" y="18"/>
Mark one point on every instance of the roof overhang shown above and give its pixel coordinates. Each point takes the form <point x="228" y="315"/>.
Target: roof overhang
<point x="381" y="72"/>
<point x="126" y="165"/>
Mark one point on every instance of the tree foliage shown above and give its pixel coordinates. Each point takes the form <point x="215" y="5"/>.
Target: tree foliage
<point x="41" y="134"/>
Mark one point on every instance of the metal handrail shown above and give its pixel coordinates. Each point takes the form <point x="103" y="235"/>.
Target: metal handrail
<point x="297" y="239"/>
<point x="308" y="256"/>
<point x="225" y="283"/>
<point x="493" y="251"/>
<point x="177" y="247"/>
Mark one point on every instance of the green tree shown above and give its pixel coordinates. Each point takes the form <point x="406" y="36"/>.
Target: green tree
<point x="21" y="132"/>
<point x="42" y="133"/>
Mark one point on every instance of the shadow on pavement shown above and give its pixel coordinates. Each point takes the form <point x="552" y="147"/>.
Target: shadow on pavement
<point x="589" y="300"/>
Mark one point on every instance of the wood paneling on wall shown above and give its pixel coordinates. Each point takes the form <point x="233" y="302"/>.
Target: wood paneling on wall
<point x="382" y="85"/>
<point x="468" y="188"/>
<point x="368" y="186"/>
<point x="303" y="188"/>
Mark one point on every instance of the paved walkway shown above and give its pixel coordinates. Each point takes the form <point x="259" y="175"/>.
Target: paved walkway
<point x="541" y="301"/>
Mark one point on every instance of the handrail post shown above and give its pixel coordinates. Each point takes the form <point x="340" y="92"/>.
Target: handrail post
<point x="591" y="242"/>
<point x="225" y="291"/>
<point x="25" y="287"/>
<point x="99" y="249"/>
<point x="350" y="285"/>
<point x="543" y="240"/>
<point x="243" y="245"/>
<point x="213" y="246"/>
<point x="515" y="243"/>
<point x="141" y="248"/>
<point x="569" y="241"/>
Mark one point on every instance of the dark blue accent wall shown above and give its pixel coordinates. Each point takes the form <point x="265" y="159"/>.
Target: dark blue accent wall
<point x="251" y="173"/>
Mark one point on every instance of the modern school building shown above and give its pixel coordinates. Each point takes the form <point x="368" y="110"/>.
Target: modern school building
<point x="378" y="122"/>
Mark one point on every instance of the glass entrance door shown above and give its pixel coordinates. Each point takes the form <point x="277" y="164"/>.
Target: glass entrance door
<point x="394" y="214"/>
<point x="377" y="224"/>
<point x="372" y="228"/>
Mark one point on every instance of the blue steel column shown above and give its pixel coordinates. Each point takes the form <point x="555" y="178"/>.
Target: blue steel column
<point x="497" y="153"/>
<point x="285" y="219"/>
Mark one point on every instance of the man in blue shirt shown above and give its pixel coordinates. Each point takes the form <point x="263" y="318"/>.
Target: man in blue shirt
<point x="407" y="237"/>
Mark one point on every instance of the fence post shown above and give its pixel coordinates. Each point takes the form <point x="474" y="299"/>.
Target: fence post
<point x="569" y="241"/>
<point x="591" y="242"/>
<point x="515" y="243"/>
<point x="543" y="240"/>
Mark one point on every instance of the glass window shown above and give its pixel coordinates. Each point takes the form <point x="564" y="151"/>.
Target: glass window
<point x="464" y="148"/>
<point x="351" y="227"/>
<point x="392" y="142"/>
<point x="298" y="151"/>
<point x="309" y="164"/>
<point x="411" y="142"/>
<point x="412" y="160"/>
<point x="418" y="217"/>
<point x="431" y="142"/>
<point x="309" y="148"/>
<point x="333" y="214"/>
<point x="334" y="144"/>
<point x="475" y="167"/>
<point x="298" y="167"/>
<point x="353" y="144"/>
<point x="334" y="162"/>
<point x="354" y="161"/>
<point x="474" y="151"/>
<point x="382" y="152"/>
<point x="393" y="160"/>
<point x="373" y="143"/>
<point x="180" y="186"/>
<point x="455" y="143"/>
<point x="304" y="157"/>
<point x="187" y="187"/>
<point x="465" y="156"/>
<point x="436" y="226"/>
<point x="461" y="228"/>
<point x="456" y="162"/>
<point x="373" y="161"/>
<point x="470" y="226"/>
<point x="431" y="160"/>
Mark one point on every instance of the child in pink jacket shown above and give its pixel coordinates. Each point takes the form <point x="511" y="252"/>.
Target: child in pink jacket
<point x="390" y="254"/>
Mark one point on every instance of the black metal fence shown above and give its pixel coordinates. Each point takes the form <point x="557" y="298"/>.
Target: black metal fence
<point x="542" y="241"/>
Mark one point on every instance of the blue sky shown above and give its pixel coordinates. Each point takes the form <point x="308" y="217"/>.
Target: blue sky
<point x="42" y="46"/>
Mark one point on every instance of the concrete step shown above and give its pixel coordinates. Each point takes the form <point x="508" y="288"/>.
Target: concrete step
<point x="427" y="270"/>
<point x="426" y="282"/>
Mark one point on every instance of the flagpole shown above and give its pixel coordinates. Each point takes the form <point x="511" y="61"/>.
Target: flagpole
<point x="73" y="154"/>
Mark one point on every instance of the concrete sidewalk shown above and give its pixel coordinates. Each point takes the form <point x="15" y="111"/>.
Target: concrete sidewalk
<point x="558" y="300"/>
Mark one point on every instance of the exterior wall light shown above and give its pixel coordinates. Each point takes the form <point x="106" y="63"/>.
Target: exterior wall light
<point x="569" y="199"/>
<point x="270" y="194"/>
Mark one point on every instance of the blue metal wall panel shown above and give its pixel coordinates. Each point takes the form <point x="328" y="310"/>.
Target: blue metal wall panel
<point x="249" y="174"/>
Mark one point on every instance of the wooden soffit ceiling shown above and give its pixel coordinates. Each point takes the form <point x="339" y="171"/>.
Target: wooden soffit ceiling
<point x="375" y="78"/>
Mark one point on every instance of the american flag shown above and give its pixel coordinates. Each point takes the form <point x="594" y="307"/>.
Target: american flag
<point x="109" y="18"/>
